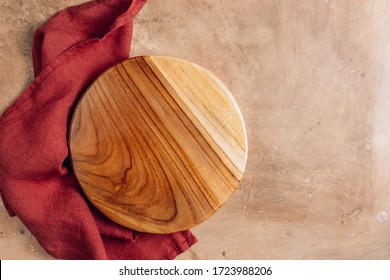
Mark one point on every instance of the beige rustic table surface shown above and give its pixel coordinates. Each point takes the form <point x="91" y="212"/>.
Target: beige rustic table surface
<point x="313" y="81"/>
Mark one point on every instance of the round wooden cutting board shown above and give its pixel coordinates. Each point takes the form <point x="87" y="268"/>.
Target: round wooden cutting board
<point x="158" y="144"/>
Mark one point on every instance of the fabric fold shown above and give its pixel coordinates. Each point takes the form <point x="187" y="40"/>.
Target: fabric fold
<point x="36" y="180"/>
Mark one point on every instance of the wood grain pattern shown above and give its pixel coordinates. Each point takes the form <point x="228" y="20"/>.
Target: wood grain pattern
<point x="158" y="144"/>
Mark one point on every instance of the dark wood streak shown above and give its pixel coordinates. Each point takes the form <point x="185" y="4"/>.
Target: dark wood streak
<point x="120" y="104"/>
<point x="204" y="144"/>
<point x="150" y="135"/>
<point x="191" y="127"/>
<point x="154" y="152"/>
<point x="198" y="86"/>
<point x="140" y="190"/>
<point x="171" y="143"/>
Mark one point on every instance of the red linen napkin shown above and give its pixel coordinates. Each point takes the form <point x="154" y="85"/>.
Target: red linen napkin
<point x="36" y="181"/>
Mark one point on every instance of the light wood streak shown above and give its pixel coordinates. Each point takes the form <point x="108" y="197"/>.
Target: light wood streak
<point x="158" y="144"/>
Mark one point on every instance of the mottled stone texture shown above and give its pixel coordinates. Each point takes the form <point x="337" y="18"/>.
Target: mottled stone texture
<point x="312" y="80"/>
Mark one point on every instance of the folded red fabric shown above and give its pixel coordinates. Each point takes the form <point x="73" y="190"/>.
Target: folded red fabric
<point x="36" y="180"/>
